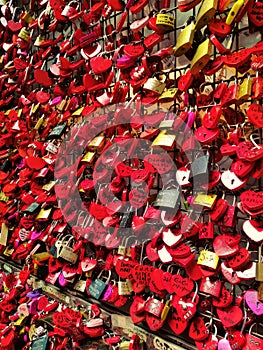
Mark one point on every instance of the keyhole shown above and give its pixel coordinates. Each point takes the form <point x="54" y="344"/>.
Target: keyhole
<point x="232" y="181"/>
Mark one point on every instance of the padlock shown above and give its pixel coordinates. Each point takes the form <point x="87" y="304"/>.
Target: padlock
<point x="229" y="218"/>
<point x="70" y="10"/>
<point x="98" y="286"/>
<point x="259" y="266"/>
<point x="154" y="306"/>
<point x="166" y="309"/>
<point x="124" y="287"/>
<point x="96" y="144"/>
<point x="244" y="91"/>
<point x="168" y="199"/>
<point x="206" y="13"/>
<point x="164" y="140"/>
<point x="211" y="287"/>
<point x="208" y="259"/>
<point x="260" y="291"/>
<point x="154" y="86"/>
<point x="201" y="57"/>
<point x="184" y="40"/>
<point x="165" y="21"/>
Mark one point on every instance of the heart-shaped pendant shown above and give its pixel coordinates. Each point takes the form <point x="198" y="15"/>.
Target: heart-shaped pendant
<point x="176" y="322"/>
<point x="229" y="274"/>
<point x="181" y="286"/>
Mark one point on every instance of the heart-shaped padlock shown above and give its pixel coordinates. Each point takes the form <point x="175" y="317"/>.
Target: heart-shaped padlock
<point x="251" y="298"/>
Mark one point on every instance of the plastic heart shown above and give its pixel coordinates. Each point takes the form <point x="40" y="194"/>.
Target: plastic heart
<point x="252" y="200"/>
<point x="211" y="118"/>
<point x="219" y="27"/>
<point x="231" y="181"/>
<point x="255" y="115"/>
<point x="161" y="162"/>
<point x="157" y="278"/>
<point x="230" y="316"/>
<point x="242" y="168"/>
<point x="255" y="13"/>
<point x="171" y="239"/>
<point x="240" y="259"/>
<point x="182" y="286"/>
<point x="137" y="198"/>
<point x="198" y="330"/>
<point x="167" y="281"/>
<point x="254" y="230"/>
<point x="224" y="344"/>
<point x="251" y="298"/>
<point x="42" y="97"/>
<point x="14" y="26"/>
<point x="133" y="51"/>
<point x="229" y="274"/>
<point x="177" y="323"/>
<point x="222" y="249"/>
<point x="205" y="135"/>
<point x="100" y="64"/>
<point x="225" y="299"/>
<point x="154" y="323"/>
<point x="43" y="78"/>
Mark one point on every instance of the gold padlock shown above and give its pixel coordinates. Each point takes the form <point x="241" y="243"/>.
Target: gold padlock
<point x="123" y="288"/>
<point x="208" y="259"/>
<point x="184" y="40"/>
<point x="96" y="144"/>
<point x="206" y="13"/>
<point x="166" y="309"/>
<point x="24" y="34"/>
<point x="205" y="200"/>
<point x="244" y="90"/>
<point x="201" y="57"/>
<point x="39" y="122"/>
<point x="88" y="157"/>
<point x="260" y="291"/>
<point x="39" y="40"/>
<point x="27" y="18"/>
<point x="259" y="266"/>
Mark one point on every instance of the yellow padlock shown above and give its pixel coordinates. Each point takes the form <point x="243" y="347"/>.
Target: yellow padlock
<point x="208" y="259"/>
<point x="165" y="21"/>
<point x="206" y="13"/>
<point x="184" y="40"/>
<point x="201" y="57"/>
<point x="244" y="90"/>
<point x="234" y="11"/>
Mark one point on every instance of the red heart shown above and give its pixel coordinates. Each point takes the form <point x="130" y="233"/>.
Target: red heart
<point x="228" y="150"/>
<point x="14" y="26"/>
<point x="229" y="274"/>
<point x="19" y="64"/>
<point x="133" y="51"/>
<point x="35" y="163"/>
<point x="42" y="97"/>
<point x="176" y="323"/>
<point x="255" y="115"/>
<point x="252" y="200"/>
<point x="225" y="299"/>
<point x="184" y="81"/>
<point x="124" y="267"/>
<point x="205" y="135"/>
<point x="154" y="322"/>
<point x="182" y="286"/>
<point x="198" y="330"/>
<point x="230" y="316"/>
<point x="157" y="278"/>
<point x="237" y="339"/>
<point x="242" y="168"/>
<point x="219" y="27"/>
<point x="100" y="64"/>
<point x="211" y="118"/>
<point x="138" y="223"/>
<point x="137" y="310"/>
<point x="255" y="13"/>
<point x="43" y="78"/>
<point x="137" y="198"/>
<point x="138" y="287"/>
<point x="161" y="162"/>
<point x="222" y="248"/>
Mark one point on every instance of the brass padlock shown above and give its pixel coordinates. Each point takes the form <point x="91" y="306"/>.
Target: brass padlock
<point x="206" y="13"/>
<point x="201" y="57"/>
<point x="244" y="90"/>
<point x="260" y="291"/>
<point x="259" y="266"/>
<point x="164" y="140"/>
<point x="184" y="40"/>
<point x="166" y="309"/>
<point x="124" y="288"/>
<point x="97" y="143"/>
